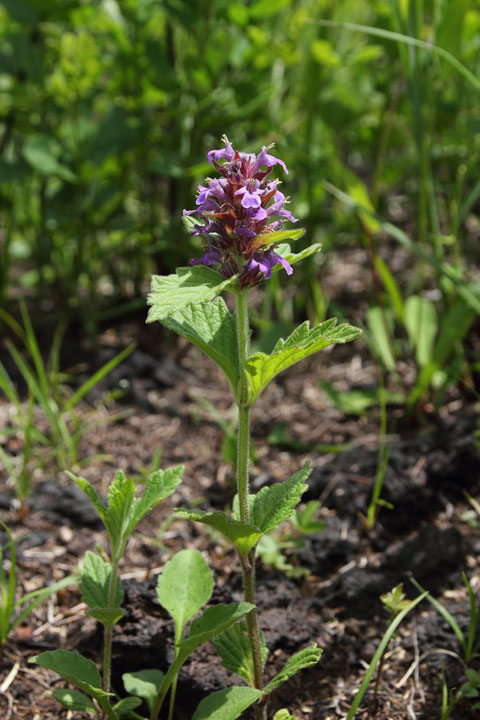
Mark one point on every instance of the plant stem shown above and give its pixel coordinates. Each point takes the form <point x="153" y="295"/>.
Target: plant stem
<point x="108" y="635"/>
<point x="243" y="460"/>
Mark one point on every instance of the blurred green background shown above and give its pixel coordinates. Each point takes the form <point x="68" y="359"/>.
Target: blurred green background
<point x="108" y="108"/>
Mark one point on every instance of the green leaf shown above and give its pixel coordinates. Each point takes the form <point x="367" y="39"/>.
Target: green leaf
<point x="170" y="293"/>
<point x="211" y="327"/>
<point x="377" y="323"/>
<point x="283" y="714"/>
<point x="107" y="616"/>
<point x="145" y="684"/>
<point x="227" y="704"/>
<point x="242" y="535"/>
<point x="274" y="504"/>
<point x="302" y="342"/>
<point x="184" y="587"/>
<point x="95" y="582"/>
<point x="74" y="700"/>
<point x="124" y="511"/>
<point x="211" y="623"/>
<point x="40" y="153"/>
<point x="233" y="646"/>
<point x="356" y="402"/>
<point x="305" y="658"/>
<point x="276" y="237"/>
<point x="285" y="251"/>
<point x="75" y="668"/>
<point x="421" y="323"/>
<point x="124" y="707"/>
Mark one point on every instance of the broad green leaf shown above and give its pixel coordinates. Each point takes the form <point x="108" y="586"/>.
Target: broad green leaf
<point x="160" y="484"/>
<point x="303" y="341"/>
<point x="285" y="251"/>
<point x="75" y="668"/>
<point x="211" y="327"/>
<point x="242" y="535"/>
<point x="170" y="293"/>
<point x="74" y="700"/>
<point x="211" y="623"/>
<point x="377" y="324"/>
<point x="356" y="402"/>
<point x="233" y="646"/>
<point x="124" y="707"/>
<point x="145" y="684"/>
<point x="305" y="658"/>
<point x="283" y="714"/>
<point x="274" y="504"/>
<point x="94" y="582"/>
<point x="421" y="322"/>
<point x="227" y="704"/>
<point x="184" y="587"/>
<point x="40" y="152"/>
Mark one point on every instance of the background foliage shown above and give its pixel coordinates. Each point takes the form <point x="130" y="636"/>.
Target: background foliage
<point x="108" y="108"/>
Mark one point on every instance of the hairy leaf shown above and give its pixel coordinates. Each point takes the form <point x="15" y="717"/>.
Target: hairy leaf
<point x="145" y="684"/>
<point x="227" y="704"/>
<point x="94" y="582"/>
<point x="305" y="658"/>
<point x="274" y="504"/>
<point x="211" y="623"/>
<point x="304" y="341"/>
<point x="188" y="285"/>
<point x="242" y="535"/>
<point x="211" y="327"/>
<point x="75" y="668"/>
<point x="184" y="587"/>
<point x="233" y="646"/>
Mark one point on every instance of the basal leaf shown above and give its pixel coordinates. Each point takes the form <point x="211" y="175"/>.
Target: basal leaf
<point x="184" y="587"/>
<point x="211" y="327"/>
<point x="145" y="684"/>
<point x="74" y="700"/>
<point x="242" y="535"/>
<point x="170" y="293"/>
<point x="274" y="504"/>
<point x="233" y="646"/>
<point x="75" y="668"/>
<point x="107" y="616"/>
<point x="304" y="341"/>
<point x="227" y="704"/>
<point x="95" y="582"/>
<point x="305" y="658"/>
<point x="211" y="623"/>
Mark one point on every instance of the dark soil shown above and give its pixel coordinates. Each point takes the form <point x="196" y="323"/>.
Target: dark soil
<point x="431" y="535"/>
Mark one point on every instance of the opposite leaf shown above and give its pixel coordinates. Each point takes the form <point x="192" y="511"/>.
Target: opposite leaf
<point x="233" y="646"/>
<point x="184" y="587"/>
<point x="227" y="704"/>
<point x="211" y="623"/>
<point x="262" y="368"/>
<point x="242" y="535"/>
<point x="145" y="684"/>
<point x="274" y="504"/>
<point x="211" y="327"/>
<point x="170" y="293"/>
<point x="305" y="658"/>
<point x="75" y="668"/>
<point x="74" y="700"/>
<point x="94" y="582"/>
<point x="285" y="251"/>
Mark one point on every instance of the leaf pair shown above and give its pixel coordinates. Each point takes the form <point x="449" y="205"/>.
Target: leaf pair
<point x="124" y="511"/>
<point x="270" y="507"/>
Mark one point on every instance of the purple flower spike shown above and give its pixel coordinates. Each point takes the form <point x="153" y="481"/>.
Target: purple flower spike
<point x="237" y="214"/>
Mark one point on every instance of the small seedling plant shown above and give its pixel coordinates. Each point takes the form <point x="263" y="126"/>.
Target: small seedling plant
<point x="239" y="218"/>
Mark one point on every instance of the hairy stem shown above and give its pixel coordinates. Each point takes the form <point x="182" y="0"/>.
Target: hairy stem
<point x="243" y="460"/>
<point x="108" y="636"/>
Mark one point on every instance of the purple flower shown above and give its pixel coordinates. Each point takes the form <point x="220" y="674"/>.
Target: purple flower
<point x="238" y="212"/>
